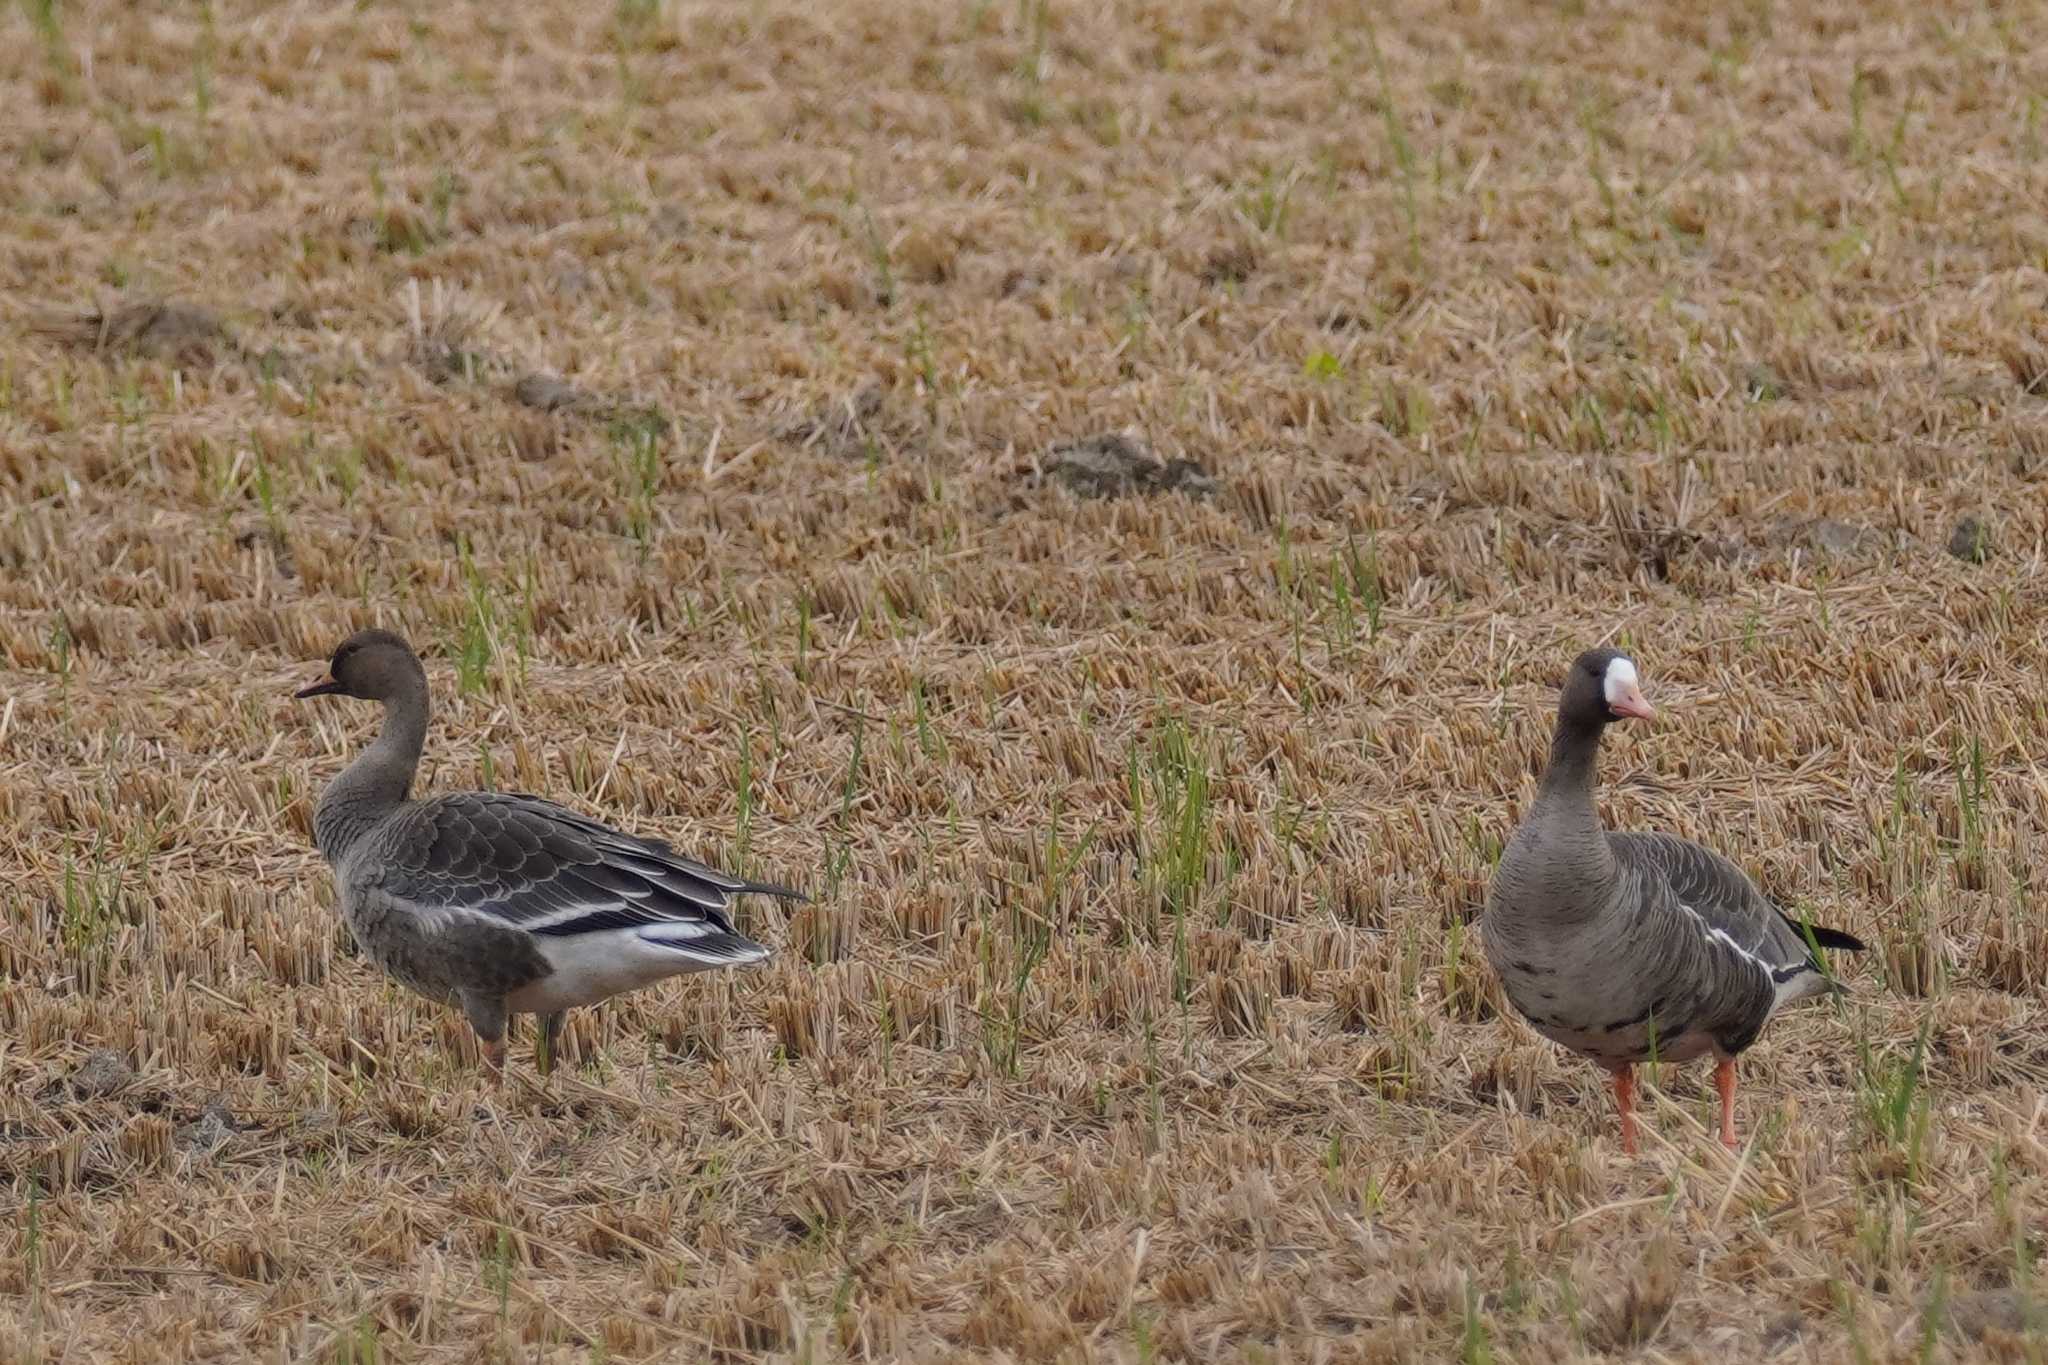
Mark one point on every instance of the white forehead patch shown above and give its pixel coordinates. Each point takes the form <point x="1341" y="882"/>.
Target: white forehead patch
<point x="1621" y="680"/>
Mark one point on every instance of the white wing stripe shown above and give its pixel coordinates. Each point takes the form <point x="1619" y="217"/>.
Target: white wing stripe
<point x="1723" y="936"/>
<point x="575" y="911"/>
<point x="669" y="930"/>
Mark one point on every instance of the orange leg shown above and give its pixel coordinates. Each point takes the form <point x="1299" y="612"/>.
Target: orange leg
<point x="487" y="1020"/>
<point x="1625" y="1099"/>
<point x="1724" y="1081"/>
<point x="494" y="1059"/>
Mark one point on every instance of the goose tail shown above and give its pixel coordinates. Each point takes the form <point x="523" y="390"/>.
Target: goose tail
<point x="1836" y="938"/>
<point x="783" y="893"/>
<point x="705" y="951"/>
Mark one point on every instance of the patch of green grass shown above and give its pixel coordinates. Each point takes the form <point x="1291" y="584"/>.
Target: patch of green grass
<point x="1170" y="808"/>
<point x="477" y="641"/>
<point x="870" y="236"/>
<point x="202" y="61"/>
<point x="637" y="448"/>
<point x="94" y="901"/>
<point x="839" y="845"/>
<point x="1892" y="1097"/>
<point x="1403" y="409"/>
<point x="634" y="20"/>
<point x="1403" y="150"/>
<point x="1266" y="204"/>
<point x="1475" y="1344"/>
<point x="1034" y="18"/>
<point x="44" y="18"/>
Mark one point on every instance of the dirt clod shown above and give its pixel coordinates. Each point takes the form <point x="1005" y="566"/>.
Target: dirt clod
<point x="556" y="396"/>
<point x="1785" y="1330"/>
<point x="550" y="393"/>
<point x="1114" y="465"/>
<point x="272" y="539"/>
<point x="1232" y="264"/>
<point x="2027" y="362"/>
<point x="1827" y="536"/>
<point x="847" y="426"/>
<point x="181" y="333"/>
<point x="101" y="1074"/>
<point x="1638" y="1311"/>
<point x="1762" y="383"/>
<point x="1976" y="1313"/>
<point x="1018" y="281"/>
<point x="444" y="355"/>
<point x="209" y="1132"/>
<point x="1971" y="540"/>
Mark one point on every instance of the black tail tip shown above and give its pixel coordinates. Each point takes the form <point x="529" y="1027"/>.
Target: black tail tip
<point x="1835" y="938"/>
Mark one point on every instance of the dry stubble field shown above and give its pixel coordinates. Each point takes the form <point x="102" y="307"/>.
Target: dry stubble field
<point x="691" y="380"/>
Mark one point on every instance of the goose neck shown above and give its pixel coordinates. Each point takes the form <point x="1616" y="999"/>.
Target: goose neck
<point x="379" y="780"/>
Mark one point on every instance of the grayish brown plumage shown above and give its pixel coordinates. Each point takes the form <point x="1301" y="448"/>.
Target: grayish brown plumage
<point x="500" y="903"/>
<point x="1630" y="948"/>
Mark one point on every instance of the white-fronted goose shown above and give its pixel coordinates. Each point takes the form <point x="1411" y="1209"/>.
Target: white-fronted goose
<point x="500" y="903"/>
<point x="1631" y="948"/>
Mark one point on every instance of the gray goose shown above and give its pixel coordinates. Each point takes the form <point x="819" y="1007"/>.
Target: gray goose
<point x="1630" y="948"/>
<point x="496" y="902"/>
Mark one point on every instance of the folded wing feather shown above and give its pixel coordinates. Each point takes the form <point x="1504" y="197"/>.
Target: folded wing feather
<point x="1728" y="904"/>
<point x="541" y="867"/>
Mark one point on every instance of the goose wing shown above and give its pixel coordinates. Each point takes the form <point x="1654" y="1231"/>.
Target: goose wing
<point x="532" y="865"/>
<point x="1735" y="937"/>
